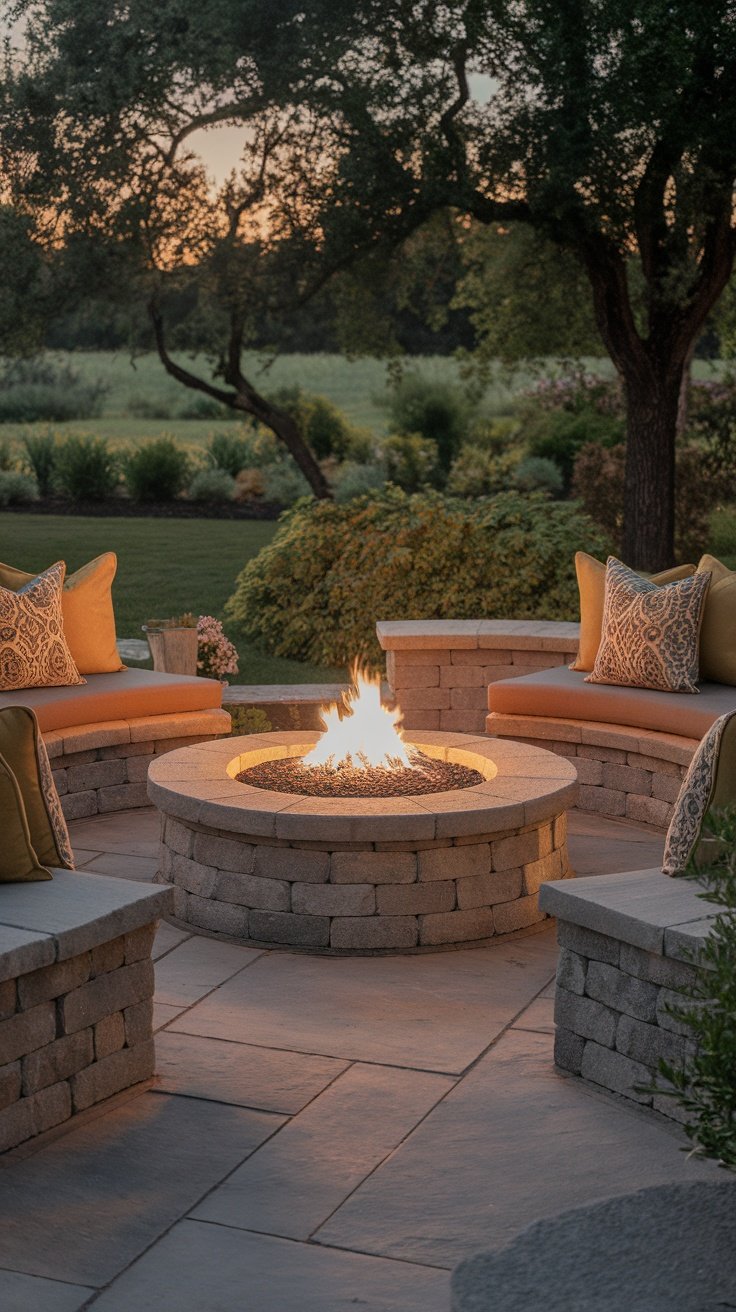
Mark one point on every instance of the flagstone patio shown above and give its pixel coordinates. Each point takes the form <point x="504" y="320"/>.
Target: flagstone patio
<point x="324" y="1133"/>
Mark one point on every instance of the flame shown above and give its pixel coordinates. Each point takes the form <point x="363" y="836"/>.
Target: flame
<point x="361" y="733"/>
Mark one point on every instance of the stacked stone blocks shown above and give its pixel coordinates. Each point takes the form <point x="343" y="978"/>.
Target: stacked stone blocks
<point x="74" y="1032"/>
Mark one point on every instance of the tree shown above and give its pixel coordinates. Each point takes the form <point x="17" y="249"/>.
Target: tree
<point x="606" y="126"/>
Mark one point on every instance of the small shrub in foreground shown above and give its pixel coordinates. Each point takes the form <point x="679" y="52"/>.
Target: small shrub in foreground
<point x="157" y="470"/>
<point x="536" y="474"/>
<point x="285" y="483"/>
<point x="40" y="455"/>
<point x="332" y="570"/>
<point x="17" y="489"/>
<point x="212" y="485"/>
<point x="228" y="451"/>
<point x="86" y="468"/>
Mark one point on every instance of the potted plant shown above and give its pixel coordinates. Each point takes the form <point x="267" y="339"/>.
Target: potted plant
<point x="173" y="644"/>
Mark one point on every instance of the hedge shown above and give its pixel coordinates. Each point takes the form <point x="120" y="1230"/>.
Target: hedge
<point x="332" y="570"/>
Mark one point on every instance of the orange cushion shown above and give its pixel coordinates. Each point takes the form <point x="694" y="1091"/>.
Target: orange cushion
<point x="592" y="585"/>
<point x="86" y="607"/>
<point x="126" y="695"/>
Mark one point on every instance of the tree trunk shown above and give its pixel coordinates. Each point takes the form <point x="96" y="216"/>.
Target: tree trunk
<point x="652" y="404"/>
<point x="287" y="431"/>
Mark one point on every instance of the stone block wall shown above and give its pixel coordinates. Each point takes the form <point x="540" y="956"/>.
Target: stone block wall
<point x="623" y="772"/>
<point x="439" y="670"/>
<point x="74" y="1032"/>
<point x="104" y="767"/>
<point x="612" y="1013"/>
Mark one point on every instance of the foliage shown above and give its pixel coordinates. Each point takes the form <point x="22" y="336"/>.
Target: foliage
<point x="7" y="455"/>
<point x="705" y="1087"/>
<point x="411" y="461"/>
<point x="249" y="719"/>
<point x="324" y="426"/>
<point x="355" y="480"/>
<point x="157" y="470"/>
<point x="216" y="655"/>
<point x="333" y="570"/>
<point x="284" y="483"/>
<point x="86" y="468"/>
<point x="711" y="425"/>
<point x="598" y="482"/>
<point x="538" y="474"/>
<point x="212" y="485"/>
<point x="436" y="411"/>
<point x="40" y="453"/>
<point x="559" y="434"/>
<point x="228" y="451"/>
<point x="478" y="471"/>
<point x="16" y="488"/>
<point x="37" y="389"/>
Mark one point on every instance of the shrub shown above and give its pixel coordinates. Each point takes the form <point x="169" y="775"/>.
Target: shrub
<point x="285" y="483"/>
<point x="40" y="455"/>
<point x="228" y="451"/>
<point x="7" y="455"/>
<point x="17" y="489"/>
<point x="249" y="485"/>
<point x="32" y="390"/>
<point x="411" y="461"/>
<point x="323" y="426"/>
<point x="438" y="411"/>
<point x="146" y="407"/>
<point x="332" y="570"/>
<point x="536" y="474"/>
<point x="157" y="470"/>
<point x="86" y="468"/>
<point x="705" y="1086"/>
<point x="355" y="480"/>
<point x="203" y="407"/>
<point x="558" y="435"/>
<point x="478" y="472"/>
<point x="212" y="485"/>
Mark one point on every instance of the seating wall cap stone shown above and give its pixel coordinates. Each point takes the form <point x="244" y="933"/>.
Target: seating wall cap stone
<point x="636" y="907"/>
<point x="23" y="950"/>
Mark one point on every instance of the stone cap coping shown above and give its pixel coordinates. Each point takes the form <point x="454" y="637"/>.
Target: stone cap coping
<point x="289" y="694"/>
<point x="142" y="729"/>
<point x="522" y="785"/>
<point x="666" y="1247"/>
<point x="49" y="921"/>
<point x="646" y="908"/>
<point x="596" y="733"/>
<point x="530" y="635"/>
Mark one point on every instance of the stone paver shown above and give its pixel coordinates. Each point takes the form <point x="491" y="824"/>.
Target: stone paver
<point x="200" y="1266"/>
<point x="343" y="1130"/>
<point x="265" y="1078"/>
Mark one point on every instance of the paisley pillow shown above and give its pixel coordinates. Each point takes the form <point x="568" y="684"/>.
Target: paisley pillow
<point x="650" y="634"/>
<point x="33" y="650"/>
<point x="709" y="782"/>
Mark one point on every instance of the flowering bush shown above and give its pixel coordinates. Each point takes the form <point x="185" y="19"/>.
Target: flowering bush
<point x="216" y="655"/>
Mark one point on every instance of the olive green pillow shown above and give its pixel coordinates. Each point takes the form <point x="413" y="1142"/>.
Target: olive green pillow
<point x="18" y="860"/>
<point x="23" y="751"/>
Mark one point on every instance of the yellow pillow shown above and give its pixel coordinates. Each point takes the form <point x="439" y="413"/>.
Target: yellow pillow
<point x="718" y="632"/>
<point x="592" y="584"/>
<point x="86" y="607"/>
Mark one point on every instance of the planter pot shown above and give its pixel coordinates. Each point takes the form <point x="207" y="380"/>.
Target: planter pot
<point x="174" y="651"/>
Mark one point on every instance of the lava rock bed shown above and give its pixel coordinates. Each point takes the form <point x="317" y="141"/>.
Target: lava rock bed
<point x="289" y="775"/>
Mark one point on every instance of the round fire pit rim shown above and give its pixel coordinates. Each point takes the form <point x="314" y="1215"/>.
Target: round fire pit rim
<point x="192" y="783"/>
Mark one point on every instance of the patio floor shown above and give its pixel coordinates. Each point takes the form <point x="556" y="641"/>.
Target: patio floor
<point x="324" y="1133"/>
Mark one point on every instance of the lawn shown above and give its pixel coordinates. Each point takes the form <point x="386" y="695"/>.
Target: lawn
<point x="165" y="567"/>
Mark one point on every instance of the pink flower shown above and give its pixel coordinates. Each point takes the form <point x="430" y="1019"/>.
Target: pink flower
<point x="216" y="655"/>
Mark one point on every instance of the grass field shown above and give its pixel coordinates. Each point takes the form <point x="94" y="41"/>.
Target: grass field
<point x="165" y="567"/>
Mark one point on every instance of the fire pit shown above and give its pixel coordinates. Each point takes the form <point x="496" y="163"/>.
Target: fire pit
<point x="394" y="844"/>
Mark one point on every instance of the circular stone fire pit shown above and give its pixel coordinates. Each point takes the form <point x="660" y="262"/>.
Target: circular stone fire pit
<point x="348" y="874"/>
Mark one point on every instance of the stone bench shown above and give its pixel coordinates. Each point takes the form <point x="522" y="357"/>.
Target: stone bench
<point x="76" y="996"/>
<point x="102" y="736"/>
<point x="627" y="946"/>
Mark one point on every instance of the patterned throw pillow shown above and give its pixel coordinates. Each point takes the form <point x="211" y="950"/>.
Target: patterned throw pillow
<point x="650" y="634"/>
<point x="709" y="782"/>
<point x="33" y="649"/>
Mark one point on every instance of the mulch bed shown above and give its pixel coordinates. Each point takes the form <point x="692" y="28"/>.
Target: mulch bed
<point x="120" y="507"/>
<point x="290" y="776"/>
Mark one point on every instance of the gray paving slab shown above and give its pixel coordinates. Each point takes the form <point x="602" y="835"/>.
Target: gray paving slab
<point x="210" y="1268"/>
<point x="291" y="1186"/>
<point x="85" y="1205"/>
<point x="432" y="1012"/>
<point x="514" y="1141"/>
<point x="168" y="937"/>
<point x="196" y="967"/>
<point x="266" y="1078"/>
<point x="22" y="1293"/>
<point x="163" y="1015"/>
<point x="136" y="832"/>
<point x="124" y="866"/>
<point x="539" y="1016"/>
<point x="599" y="846"/>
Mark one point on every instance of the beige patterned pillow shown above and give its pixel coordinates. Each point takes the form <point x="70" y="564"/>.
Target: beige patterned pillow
<point x="650" y="634"/>
<point x="33" y="649"/>
<point x="705" y="785"/>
